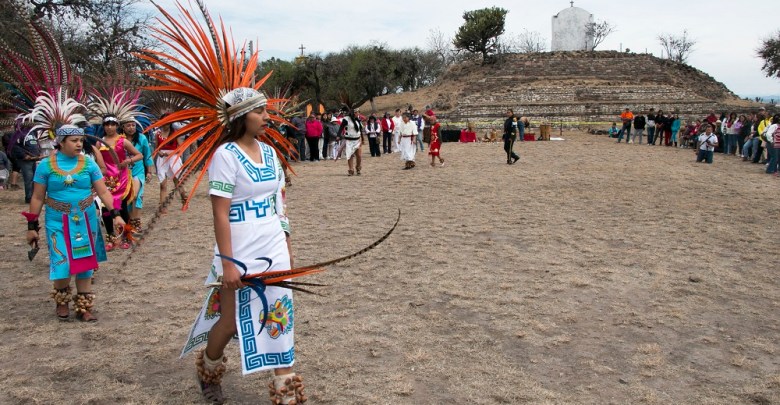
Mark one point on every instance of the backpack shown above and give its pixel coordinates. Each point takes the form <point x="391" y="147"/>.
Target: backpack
<point x="775" y="136"/>
<point x="764" y="135"/>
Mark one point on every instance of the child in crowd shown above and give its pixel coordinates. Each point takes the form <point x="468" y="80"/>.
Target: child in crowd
<point x="614" y="131"/>
<point x="434" y="147"/>
<point x="708" y="141"/>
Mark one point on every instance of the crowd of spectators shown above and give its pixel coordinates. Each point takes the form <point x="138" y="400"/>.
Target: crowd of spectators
<point x="319" y="136"/>
<point x="752" y="136"/>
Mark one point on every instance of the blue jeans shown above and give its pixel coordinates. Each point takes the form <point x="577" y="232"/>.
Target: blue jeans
<point x="751" y="147"/>
<point x="420" y="140"/>
<point x="704" y="155"/>
<point x="520" y="131"/>
<point x="301" y="147"/>
<point x="650" y="133"/>
<point x="28" y="172"/>
<point x="772" y="157"/>
<point x="731" y="144"/>
<point x="625" y="131"/>
<point x="638" y="134"/>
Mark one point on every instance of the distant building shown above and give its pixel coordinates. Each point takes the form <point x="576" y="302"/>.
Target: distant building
<point x="568" y="30"/>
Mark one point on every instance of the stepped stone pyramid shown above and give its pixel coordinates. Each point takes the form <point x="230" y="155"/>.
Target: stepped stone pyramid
<point x="569" y="87"/>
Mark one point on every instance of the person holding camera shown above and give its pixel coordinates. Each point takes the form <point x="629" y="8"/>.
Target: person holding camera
<point x="707" y="144"/>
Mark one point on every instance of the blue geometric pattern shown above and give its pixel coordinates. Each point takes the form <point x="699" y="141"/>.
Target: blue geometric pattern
<point x="257" y="209"/>
<point x="268" y="172"/>
<point x="252" y="359"/>
<point x="268" y="169"/>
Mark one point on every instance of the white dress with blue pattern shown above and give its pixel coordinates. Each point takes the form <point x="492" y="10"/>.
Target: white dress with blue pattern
<point x="257" y="225"/>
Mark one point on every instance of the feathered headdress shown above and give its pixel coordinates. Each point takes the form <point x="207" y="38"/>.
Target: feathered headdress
<point x="121" y="104"/>
<point x="45" y="70"/>
<point x="116" y="93"/>
<point x="205" y="66"/>
<point x="52" y="111"/>
<point x="289" y="105"/>
<point x="161" y="103"/>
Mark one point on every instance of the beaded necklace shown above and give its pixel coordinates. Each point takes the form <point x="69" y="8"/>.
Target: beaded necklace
<point x="67" y="175"/>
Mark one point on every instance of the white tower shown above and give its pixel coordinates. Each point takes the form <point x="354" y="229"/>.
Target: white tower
<point x="568" y="30"/>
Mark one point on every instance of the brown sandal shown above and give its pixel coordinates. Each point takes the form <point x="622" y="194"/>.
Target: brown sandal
<point x="287" y="389"/>
<point x="62" y="297"/>
<point x="84" y="303"/>
<point x="210" y="381"/>
<point x="350" y="172"/>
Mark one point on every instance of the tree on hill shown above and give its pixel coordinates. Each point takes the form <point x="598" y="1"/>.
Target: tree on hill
<point x="769" y="51"/>
<point x="479" y="34"/>
<point x="599" y="31"/>
<point x="677" y="47"/>
<point x="441" y="46"/>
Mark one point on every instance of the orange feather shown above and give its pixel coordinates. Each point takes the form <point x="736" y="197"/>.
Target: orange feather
<point x="203" y="64"/>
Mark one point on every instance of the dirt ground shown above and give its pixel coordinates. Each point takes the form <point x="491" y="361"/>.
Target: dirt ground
<point x="588" y="273"/>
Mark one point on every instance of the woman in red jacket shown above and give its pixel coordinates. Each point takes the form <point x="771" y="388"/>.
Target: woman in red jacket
<point x="313" y="135"/>
<point x="388" y="126"/>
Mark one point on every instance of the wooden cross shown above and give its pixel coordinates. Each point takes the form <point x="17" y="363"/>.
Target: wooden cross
<point x="302" y="48"/>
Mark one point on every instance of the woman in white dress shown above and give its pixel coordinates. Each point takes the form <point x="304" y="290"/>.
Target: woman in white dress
<point x="246" y="185"/>
<point x="231" y="119"/>
<point x="168" y="163"/>
<point x="407" y="145"/>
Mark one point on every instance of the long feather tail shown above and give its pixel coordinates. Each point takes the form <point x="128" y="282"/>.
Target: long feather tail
<point x="273" y="277"/>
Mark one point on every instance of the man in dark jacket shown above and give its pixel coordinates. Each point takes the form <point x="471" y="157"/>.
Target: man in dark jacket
<point x="27" y="154"/>
<point x="639" y="129"/>
<point x="650" y="124"/>
<point x="510" y="135"/>
<point x="12" y="181"/>
<point x="299" y="132"/>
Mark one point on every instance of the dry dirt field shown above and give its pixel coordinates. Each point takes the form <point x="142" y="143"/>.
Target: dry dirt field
<point x="588" y="273"/>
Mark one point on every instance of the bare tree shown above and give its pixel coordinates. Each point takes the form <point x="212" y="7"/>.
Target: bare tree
<point x="507" y="44"/>
<point x="441" y="45"/>
<point x="598" y="31"/>
<point x="532" y="42"/>
<point x="677" y="47"/>
<point x="113" y="31"/>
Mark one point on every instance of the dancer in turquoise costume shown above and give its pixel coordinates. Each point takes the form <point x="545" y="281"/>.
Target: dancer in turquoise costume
<point x="64" y="183"/>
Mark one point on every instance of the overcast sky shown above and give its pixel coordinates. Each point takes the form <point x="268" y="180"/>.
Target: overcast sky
<point x="727" y="33"/>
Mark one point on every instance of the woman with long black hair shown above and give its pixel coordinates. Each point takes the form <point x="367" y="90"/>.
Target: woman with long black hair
<point x="117" y="178"/>
<point x="141" y="172"/>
